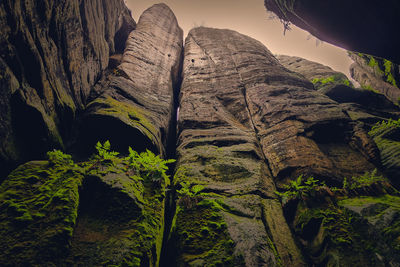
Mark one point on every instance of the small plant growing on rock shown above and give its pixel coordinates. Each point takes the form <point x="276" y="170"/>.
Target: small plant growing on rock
<point x="189" y="195"/>
<point x="367" y="179"/>
<point x="300" y="188"/>
<point x="103" y="151"/>
<point x="148" y="165"/>
<point x="57" y="157"/>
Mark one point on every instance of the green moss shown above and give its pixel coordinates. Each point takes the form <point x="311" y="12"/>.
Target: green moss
<point x="39" y="204"/>
<point x="334" y="79"/>
<point x="201" y="234"/>
<point x="121" y="212"/>
<point x="129" y="114"/>
<point x="388" y="72"/>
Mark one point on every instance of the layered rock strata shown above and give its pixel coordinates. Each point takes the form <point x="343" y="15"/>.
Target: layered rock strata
<point x="376" y="74"/>
<point x="134" y="103"/>
<point x="51" y="54"/>
<point x="323" y="77"/>
<point x="246" y="122"/>
<point x="361" y="104"/>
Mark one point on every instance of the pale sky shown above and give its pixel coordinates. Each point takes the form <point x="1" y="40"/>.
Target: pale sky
<point x="250" y="17"/>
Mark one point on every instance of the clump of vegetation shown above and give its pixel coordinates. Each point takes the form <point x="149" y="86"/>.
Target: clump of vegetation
<point x="382" y="126"/>
<point x="148" y="165"/>
<point x="300" y="188"/>
<point x="388" y="72"/>
<point x="57" y="157"/>
<point x="334" y="79"/>
<point x="367" y="179"/>
<point x="189" y="195"/>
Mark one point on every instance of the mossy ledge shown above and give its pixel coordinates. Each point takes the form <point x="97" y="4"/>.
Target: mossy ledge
<point x="108" y="210"/>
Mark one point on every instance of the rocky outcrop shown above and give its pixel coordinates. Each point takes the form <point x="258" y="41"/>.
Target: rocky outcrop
<point x="377" y="74"/>
<point x="361" y="104"/>
<point x="245" y="124"/>
<point x="386" y="136"/>
<point x="323" y="77"/>
<point x="134" y="103"/>
<point x="104" y="211"/>
<point x="344" y="24"/>
<point x="51" y="54"/>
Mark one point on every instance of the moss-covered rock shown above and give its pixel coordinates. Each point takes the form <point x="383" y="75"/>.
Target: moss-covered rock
<point x="386" y="136"/>
<point x="104" y="211"/>
<point x="38" y="210"/>
<point x="337" y="230"/>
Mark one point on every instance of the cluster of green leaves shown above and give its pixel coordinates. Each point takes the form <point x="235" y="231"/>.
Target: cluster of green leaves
<point x="57" y="157"/>
<point x="381" y="126"/>
<point x="188" y="190"/>
<point x="148" y="165"/>
<point x="388" y="72"/>
<point x="331" y="79"/>
<point x="300" y="188"/>
<point x="366" y="179"/>
<point x="103" y="151"/>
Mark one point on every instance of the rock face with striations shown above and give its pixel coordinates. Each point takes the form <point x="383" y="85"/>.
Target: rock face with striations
<point x="323" y="77"/>
<point x="377" y="74"/>
<point x="269" y="171"/>
<point x="367" y="106"/>
<point x="246" y="123"/>
<point x="51" y="54"/>
<point x="134" y="103"/>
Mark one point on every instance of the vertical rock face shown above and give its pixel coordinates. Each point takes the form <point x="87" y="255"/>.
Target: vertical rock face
<point x="238" y="220"/>
<point x="244" y="122"/>
<point x="137" y="96"/>
<point x="51" y="54"/>
<point x="377" y="74"/>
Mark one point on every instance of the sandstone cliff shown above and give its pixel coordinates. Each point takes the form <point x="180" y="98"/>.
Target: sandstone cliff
<point x="377" y="74"/>
<point x="277" y="163"/>
<point x="134" y="103"/>
<point x="51" y="55"/>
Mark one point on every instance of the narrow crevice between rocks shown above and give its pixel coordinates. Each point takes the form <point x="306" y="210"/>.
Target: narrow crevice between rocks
<point x="271" y="242"/>
<point x="171" y="145"/>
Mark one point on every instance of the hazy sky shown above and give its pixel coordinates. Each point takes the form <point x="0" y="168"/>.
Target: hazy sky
<point x="250" y="17"/>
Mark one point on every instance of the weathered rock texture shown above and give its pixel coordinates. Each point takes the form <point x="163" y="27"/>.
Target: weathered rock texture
<point x="100" y="212"/>
<point x="246" y="122"/>
<point x="367" y="106"/>
<point x="323" y="77"/>
<point x="134" y="103"/>
<point x="345" y="24"/>
<point x="377" y="74"/>
<point x="51" y="54"/>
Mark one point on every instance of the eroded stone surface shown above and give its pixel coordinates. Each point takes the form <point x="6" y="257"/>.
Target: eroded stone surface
<point x="51" y="54"/>
<point x="373" y="73"/>
<point x="137" y="96"/>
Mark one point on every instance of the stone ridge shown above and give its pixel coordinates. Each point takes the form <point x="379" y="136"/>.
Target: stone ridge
<point x="137" y="96"/>
<point x="51" y="54"/>
<point x="246" y="123"/>
<point x="321" y="76"/>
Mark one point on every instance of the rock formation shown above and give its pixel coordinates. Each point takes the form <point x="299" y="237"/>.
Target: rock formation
<point x="278" y="163"/>
<point x="337" y="22"/>
<point x="51" y="55"/>
<point x="134" y="103"/>
<point x="377" y="74"/>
